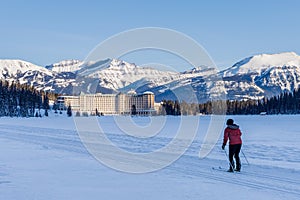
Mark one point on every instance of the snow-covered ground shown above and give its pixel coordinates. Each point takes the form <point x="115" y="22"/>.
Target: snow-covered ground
<point x="43" y="158"/>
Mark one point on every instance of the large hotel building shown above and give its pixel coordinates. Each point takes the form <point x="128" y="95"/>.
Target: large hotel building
<point x="109" y="104"/>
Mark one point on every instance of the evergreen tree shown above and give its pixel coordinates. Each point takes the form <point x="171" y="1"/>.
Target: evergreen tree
<point x="69" y="111"/>
<point x="18" y="100"/>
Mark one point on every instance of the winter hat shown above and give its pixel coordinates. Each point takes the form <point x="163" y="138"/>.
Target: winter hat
<point x="229" y="122"/>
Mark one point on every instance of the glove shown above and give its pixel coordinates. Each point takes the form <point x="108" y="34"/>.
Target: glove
<point x="223" y="146"/>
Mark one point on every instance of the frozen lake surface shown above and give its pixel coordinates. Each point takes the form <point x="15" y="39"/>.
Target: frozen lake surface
<point x="44" y="158"/>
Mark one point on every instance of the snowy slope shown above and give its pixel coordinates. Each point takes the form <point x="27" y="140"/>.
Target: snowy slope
<point x="43" y="158"/>
<point x="120" y="74"/>
<point x="39" y="77"/>
<point x="19" y="66"/>
<point x="65" y="66"/>
<point x="260" y="63"/>
<point x="13" y="68"/>
<point x="263" y="75"/>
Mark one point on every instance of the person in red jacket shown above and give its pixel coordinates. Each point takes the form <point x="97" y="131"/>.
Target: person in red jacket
<point x="233" y="133"/>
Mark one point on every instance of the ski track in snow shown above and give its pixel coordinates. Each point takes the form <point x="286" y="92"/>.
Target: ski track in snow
<point x="286" y="181"/>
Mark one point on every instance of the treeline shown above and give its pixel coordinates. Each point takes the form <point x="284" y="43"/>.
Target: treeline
<point x="285" y="103"/>
<point x="20" y="100"/>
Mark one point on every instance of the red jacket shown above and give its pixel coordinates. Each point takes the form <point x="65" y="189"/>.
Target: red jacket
<point x="233" y="133"/>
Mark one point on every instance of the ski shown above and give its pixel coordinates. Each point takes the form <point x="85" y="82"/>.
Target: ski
<point x="224" y="170"/>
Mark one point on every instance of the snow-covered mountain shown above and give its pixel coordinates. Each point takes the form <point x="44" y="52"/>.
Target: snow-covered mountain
<point x="11" y="68"/>
<point x="260" y="63"/>
<point x="121" y="75"/>
<point x="251" y="78"/>
<point x="66" y="66"/>
<point x="263" y="75"/>
<point x="110" y="75"/>
<point x="39" y="77"/>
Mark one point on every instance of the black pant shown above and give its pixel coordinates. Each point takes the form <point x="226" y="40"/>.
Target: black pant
<point x="234" y="150"/>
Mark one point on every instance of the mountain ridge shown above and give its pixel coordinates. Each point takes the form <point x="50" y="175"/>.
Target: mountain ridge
<point x="253" y="77"/>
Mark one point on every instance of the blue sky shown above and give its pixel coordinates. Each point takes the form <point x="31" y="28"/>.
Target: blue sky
<point x="44" y="32"/>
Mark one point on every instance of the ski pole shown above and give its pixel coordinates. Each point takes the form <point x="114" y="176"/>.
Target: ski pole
<point x="245" y="157"/>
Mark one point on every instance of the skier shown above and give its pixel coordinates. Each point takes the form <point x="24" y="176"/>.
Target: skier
<point x="234" y="134"/>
